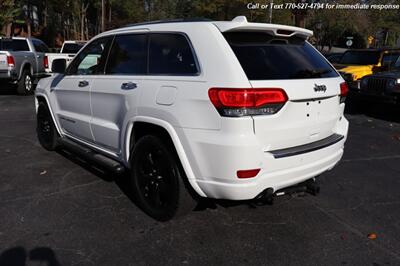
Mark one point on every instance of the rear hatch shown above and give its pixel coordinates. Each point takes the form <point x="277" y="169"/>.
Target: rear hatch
<point x="287" y="61"/>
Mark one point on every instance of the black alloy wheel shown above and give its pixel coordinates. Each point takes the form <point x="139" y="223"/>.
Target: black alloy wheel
<point x="158" y="181"/>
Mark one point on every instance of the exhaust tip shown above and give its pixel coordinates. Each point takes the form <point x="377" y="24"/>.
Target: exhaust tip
<point x="265" y="197"/>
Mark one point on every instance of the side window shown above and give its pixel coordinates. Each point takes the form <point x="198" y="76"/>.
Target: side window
<point x="390" y="59"/>
<point x="20" y="45"/>
<point x="171" y="54"/>
<point x="91" y="59"/>
<point x="128" y="55"/>
<point x="40" y="46"/>
<point x="397" y="63"/>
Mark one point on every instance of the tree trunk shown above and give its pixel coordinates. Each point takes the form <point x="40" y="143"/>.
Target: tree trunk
<point x="82" y="22"/>
<point x="83" y="19"/>
<point x="8" y="30"/>
<point x="45" y="13"/>
<point x="75" y="29"/>
<point x="299" y="18"/>
<point x="103" y="15"/>
<point x="109" y="13"/>
<point x="86" y="29"/>
<point x="29" y="28"/>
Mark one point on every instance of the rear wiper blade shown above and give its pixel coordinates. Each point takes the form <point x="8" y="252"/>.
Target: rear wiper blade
<point x="311" y="73"/>
<point x="321" y="71"/>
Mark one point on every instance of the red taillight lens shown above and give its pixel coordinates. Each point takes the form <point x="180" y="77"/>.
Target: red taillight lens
<point x="344" y="89"/>
<point x="247" y="173"/>
<point x="10" y="61"/>
<point x="239" y="102"/>
<point x="46" y="61"/>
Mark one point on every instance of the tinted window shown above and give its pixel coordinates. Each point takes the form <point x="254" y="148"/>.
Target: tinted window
<point x="91" y="60"/>
<point x="40" y="46"/>
<point x="6" y="44"/>
<point x="14" y="45"/>
<point x="360" y="58"/>
<point x="265" y="57"/>
<point x="397" y="63"/>
<point x="334" y="58"/>
<point x="171" y="54"/>
<point x="128" y="55"/>
<point x="390" y="59"/>
<point x="72" y="48"/>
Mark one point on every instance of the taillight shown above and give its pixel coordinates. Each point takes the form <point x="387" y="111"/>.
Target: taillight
<point x="10" y="61"/>
<point x="46" y="61"/>
<point x="243" y="102"/>
<point x="344" y="89"/>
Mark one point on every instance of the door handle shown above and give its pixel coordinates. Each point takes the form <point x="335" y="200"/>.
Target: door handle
<point x="83" y="83"/>
<point x="128" y="86"/>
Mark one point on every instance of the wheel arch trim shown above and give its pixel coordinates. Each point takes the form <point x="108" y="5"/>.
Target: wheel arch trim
<point x="25" y="65"/>
<point x="175" y="140"/>
<point x="39" y="95"/>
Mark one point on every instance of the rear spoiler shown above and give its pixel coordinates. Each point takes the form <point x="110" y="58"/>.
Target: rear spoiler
<point x="240" y="24"/>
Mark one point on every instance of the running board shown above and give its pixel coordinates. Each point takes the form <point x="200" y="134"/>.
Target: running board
<point x="92" y="155"/>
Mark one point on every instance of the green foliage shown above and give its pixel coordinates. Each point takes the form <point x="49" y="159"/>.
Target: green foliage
<point x="76" y="19"/>
<point x="8" y="11"/>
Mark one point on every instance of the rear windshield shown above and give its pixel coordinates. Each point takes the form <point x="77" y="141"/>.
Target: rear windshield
<point x="72" y="48"/>
<point x="13" y="45"/>
<point x="265" y="57"/>
<point x="360" y="58"/>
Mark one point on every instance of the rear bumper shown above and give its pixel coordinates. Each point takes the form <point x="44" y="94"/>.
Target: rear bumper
<point x="216" y="159"/>
<point x="10" y="75"/>
<point x="299" y="168"/>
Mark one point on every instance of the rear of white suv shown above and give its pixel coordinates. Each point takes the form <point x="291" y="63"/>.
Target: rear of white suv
<point x="226" y="110"/>
<point x="284" y="127"/>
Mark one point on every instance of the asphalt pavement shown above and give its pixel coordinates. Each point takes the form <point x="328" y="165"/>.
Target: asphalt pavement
<point x="57" y="209"/>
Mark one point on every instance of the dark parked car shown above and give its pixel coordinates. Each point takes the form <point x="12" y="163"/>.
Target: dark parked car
<point x="383" y="86"/>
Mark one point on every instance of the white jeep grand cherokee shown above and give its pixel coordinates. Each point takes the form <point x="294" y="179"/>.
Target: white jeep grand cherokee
<point x="225" y="110"/>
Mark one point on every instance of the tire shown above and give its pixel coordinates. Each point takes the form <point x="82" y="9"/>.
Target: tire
<point x="158" y="182"/>
<point x="45" y="129"/>
<point x="25" y="84"/>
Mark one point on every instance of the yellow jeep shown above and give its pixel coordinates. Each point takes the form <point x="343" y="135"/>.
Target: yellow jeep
<point x="356" y="64"/>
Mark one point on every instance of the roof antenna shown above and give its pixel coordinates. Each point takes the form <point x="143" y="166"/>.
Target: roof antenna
<point x="242" y="19"/>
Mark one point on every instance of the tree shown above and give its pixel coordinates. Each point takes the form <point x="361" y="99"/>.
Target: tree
<point x="8" y="11"/>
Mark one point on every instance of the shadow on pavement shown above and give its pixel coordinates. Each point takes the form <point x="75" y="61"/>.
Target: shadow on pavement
<point x="121" y="180"/>
<point x="7" y="89"/>
<point x="123" y="183"/>
<point x="95" y="169"/>
<point x="18" y="256"/>
<point x="387" y="112"/>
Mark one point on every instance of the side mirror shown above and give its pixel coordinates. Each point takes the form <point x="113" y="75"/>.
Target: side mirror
<point x="59" y="66"/>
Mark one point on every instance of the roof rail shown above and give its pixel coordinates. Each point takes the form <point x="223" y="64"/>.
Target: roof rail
<point x="168" y="21"/>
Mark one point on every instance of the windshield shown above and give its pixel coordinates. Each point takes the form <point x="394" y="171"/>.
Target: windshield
<point x="360" y="58"/>
<point x="72" y="48"/>
<point x="265" y="57"/>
